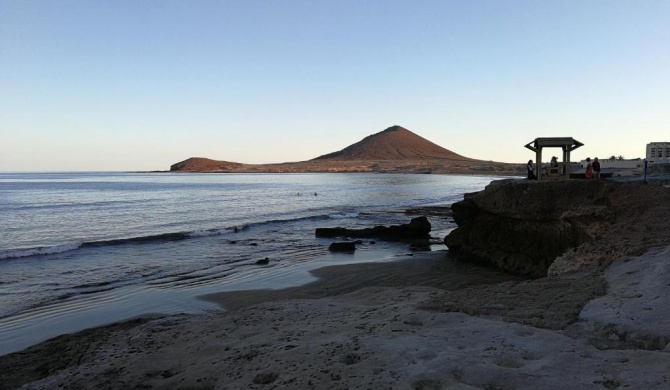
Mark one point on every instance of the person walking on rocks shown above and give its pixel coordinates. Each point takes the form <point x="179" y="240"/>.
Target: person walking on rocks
<point x="596" y="168"/>
<point x="531" y="173"/>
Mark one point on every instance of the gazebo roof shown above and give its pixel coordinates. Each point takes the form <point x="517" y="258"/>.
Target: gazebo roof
<point x="567" y="143"/>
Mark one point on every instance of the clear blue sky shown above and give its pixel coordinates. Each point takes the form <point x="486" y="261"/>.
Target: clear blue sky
<point x="139" y="85"/>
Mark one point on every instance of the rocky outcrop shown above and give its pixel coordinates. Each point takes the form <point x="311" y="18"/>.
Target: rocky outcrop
<point x="418" y="228"/>
<point x="348" y="247"/>
<point x="523" y="226"/>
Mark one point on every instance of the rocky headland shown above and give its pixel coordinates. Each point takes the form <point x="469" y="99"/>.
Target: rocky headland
<point x="594" y="315"/>
<point x="394" y="150"/>
<point x="551" y="227"/>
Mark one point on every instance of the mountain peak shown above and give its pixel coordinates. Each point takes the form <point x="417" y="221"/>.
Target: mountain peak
<point x="393" y="143"/>
<point x="393" y="128"/>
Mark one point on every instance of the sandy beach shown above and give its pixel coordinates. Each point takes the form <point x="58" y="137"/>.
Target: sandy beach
<point x="392" y="326"/>
<point x="556" y="332"/>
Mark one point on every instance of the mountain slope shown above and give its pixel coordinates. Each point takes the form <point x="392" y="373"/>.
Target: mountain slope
<point x="201" y="164"/>
<point x="394" y="143"/>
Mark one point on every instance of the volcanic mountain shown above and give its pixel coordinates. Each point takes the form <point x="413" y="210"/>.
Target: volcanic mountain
<point x="394" y="143"/>
<point x="394" y="150"/>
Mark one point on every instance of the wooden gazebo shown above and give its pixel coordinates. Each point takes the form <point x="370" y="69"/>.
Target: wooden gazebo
<point x="567" y="144"/>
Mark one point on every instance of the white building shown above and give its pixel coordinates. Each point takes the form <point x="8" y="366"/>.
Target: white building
<point x="616" y="168"/>
<point x="614" y="164"/>
<point x="658" y="153"/>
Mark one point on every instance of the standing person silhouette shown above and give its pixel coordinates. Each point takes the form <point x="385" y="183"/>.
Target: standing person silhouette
<point x="588" y="174"/>
<point x="596" y="168"/>
<point x="531" y="173"/>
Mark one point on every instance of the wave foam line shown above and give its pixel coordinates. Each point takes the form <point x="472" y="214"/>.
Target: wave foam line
<point x="164" y="237"/>
<point x="49" y="250"/>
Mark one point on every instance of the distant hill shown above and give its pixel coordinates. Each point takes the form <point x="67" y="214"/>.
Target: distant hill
<point x="201" y="164"/>
<point x="394" y="150"/>
<point x="394" y="143"/>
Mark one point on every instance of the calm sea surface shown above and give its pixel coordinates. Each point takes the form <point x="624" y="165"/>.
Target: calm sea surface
<point x="84" y="249"/>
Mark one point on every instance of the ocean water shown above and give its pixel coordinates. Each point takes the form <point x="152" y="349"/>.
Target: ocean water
<point x="85" y="249"/>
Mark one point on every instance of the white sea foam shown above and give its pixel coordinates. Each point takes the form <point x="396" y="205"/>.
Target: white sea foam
<point x="343" y="215"/>
<point x="49" y="250"/>
<point x="206" y="233"/>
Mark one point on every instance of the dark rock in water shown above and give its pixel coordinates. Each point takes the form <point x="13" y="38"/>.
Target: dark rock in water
<point x="263" y="261"/>
<point x="342" y="247"/>
<point x="373" y="242"/>
<point x="254" y="244"/>
<point x="522" y="226"/>
<point x="417" y="228"/>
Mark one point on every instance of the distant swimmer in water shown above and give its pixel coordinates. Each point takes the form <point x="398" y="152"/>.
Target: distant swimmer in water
<point x="315" y="194"/>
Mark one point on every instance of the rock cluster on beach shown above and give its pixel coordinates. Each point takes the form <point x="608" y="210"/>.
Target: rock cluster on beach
<point x="417" y="228"/>
<point x="416" y="233"/>
<point x="599" y="320"/>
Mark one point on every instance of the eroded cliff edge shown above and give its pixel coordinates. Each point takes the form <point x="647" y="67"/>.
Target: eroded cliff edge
<point x="536" y="228"/>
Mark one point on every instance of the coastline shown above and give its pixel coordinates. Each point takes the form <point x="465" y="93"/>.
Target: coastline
<point x="119" y="270"/>
<point x="393" y="325"/>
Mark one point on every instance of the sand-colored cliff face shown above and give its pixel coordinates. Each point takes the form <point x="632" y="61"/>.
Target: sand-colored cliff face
<point x="394" y="150"/>
<point x="535" y="228"/>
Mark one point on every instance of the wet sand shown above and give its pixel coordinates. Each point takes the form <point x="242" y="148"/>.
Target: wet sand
<point x="520" y="334"/>
<point x="432" y="269"/>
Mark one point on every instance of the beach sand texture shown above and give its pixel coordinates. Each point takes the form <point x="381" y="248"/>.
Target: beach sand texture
<point x="391" y="326"/>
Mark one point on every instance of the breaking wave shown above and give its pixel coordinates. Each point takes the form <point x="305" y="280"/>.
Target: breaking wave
<point x="49" y="250"/>
<point x="163" y="237"/>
